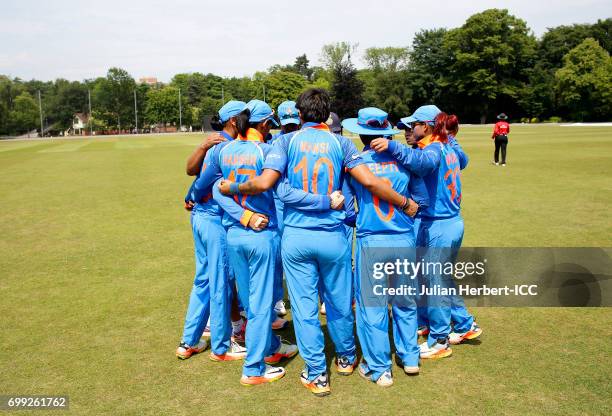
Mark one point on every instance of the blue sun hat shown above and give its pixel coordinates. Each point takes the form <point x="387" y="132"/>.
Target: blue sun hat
<point x="423" y="114"/>
<point x="231" y="109"/>
<point x="287" y="113"/>
<point x="261" y="111"/>
<point x="370" y="121"/>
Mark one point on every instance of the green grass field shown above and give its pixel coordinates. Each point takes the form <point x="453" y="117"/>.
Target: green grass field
<point x="97" y="265"/>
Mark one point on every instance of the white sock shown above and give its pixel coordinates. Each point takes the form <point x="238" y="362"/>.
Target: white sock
<point x="237" y="325"/>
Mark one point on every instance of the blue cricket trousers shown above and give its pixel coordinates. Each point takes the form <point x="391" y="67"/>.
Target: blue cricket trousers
<point x="442" y="238"/>
<point x="372" y="311"/>
<point x="253" y="257"/>
<point x="211" y="291"/>
<point x="314" y="259"/>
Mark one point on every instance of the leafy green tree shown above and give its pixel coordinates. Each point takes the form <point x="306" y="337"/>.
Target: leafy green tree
<point x="558" y="41"/>
<point x="162" y="106"/>
<point x="114" y="98"/>
<point x="584" y="83"/>
<point x="336" y="55"/>
<point x="387" y="85"/>
<point x="387" y="59"/>
<point x="302" y="67"/>
<point x="68" y="98"/>
<point x="281" y="86"/>
<point x="346" y="91"/>
<point x="346" y="87"/>
<point x="24" y="116"/>
<point x="428" y="67"/>
<point x="491" y="54"/>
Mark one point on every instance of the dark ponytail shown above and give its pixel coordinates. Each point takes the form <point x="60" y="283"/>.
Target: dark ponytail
<point x="215" y="123"/>
<point x="242" y="122"/>
<point x="440" y="127"/>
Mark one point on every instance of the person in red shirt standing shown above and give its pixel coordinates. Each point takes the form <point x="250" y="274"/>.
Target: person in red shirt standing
<point x="500" y="135"/>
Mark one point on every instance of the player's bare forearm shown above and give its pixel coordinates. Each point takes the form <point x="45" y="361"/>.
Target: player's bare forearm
<point x="376" y="186"/>
<point x="195" y="160"/>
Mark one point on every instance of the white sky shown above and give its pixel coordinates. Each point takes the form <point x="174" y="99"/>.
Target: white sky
<point x="82" y="39"/>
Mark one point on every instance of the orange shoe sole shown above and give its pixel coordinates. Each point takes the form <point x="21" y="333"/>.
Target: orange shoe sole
<point x="255" y="381"/>
<point x="188" y="354"/>
<point x="317" y="391"/>
<point x="472" y="334"/>
<point x="344" y="372"/>
<point x="276" y="358"/>
<point x="225" y="357"/>
<point x="442" y="354"/>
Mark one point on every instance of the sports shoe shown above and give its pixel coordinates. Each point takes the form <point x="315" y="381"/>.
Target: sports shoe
<point x="234" y="352"/>
<point x="280" y="309"/>
<point x="322" y="309"/>
<point x="495" y="163"/>
<point x="457" y="338"/>
<point x="411" y="370"/>
<point x="422" y="331"/>
<point x="280" y="323"/>
<point x="270" y="375"/>
<point x="344" y="367"/>
<point x="385" y="380"/>
<point x="185" y="351"/>
<point x="319" y="386"/>
<point x="285" y="350"/>
<point x="440" y="349"/>
<point x="503" y="164"/>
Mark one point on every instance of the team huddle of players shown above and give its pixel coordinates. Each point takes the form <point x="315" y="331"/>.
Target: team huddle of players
<point x="263" y="205"/>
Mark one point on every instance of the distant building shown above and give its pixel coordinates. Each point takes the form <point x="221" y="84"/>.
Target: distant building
<point x="148" y="80"/>
<point x="79" y="123"/>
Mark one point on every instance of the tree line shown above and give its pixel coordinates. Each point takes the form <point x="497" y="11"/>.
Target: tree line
<point x="492" y="63"/>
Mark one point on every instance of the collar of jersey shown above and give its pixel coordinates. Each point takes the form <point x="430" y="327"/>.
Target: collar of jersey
<point x="318" y="126"/>
<point x="227" y="136"/>
<point x="252" y="136"/>
<point x="427" y="140"/>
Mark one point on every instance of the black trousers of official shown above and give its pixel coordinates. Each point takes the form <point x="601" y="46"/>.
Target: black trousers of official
<point x="500" y="143"/>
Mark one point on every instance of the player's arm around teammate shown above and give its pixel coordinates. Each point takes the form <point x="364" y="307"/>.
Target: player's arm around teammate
<point x="252" y="253"/>
<point x="211" y="277"/>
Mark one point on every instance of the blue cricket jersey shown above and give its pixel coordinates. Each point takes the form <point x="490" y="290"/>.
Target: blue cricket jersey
<point x="443" y="183"/>
<point x="240" y="161"/>
<point x="313" y="159"/>
<point x="377" y="216"/>
<point x="204" y="201"/>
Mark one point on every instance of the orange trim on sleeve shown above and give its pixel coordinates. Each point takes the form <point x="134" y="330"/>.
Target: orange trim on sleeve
<point x="246" y="217"/>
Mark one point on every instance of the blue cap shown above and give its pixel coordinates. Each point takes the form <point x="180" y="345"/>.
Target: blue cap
<point x="370" y="121"/>
<point x="287" y="113"/>
<point x="231" y="109"/>
<point x="425" y="114"/>
<point x="260" y="111"/>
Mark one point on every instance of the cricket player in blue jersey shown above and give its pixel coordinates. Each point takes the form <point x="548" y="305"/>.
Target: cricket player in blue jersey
<point x="441" y="228"/>
<point x="252" y="253"/>
<point x="289" y="121"/>
<point x="314" y="245"/>
<point x="383" y="235"/>
<point x="458" y="311"/>
<point x="210" y="294"/>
